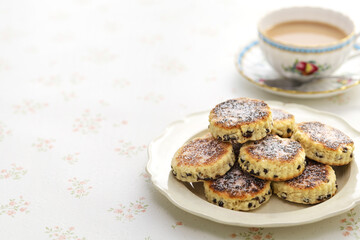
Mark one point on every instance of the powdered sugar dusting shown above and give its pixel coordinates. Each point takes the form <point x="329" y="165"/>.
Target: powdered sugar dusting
<point x="329" y="136"/>
<point x="279" y="114"/>
<point x="274" y="148"/>
<point x="238" y="183"/>
<point x="314" y="174"/>
<point x="204" y="150"/>
<point x="233" y="112"/>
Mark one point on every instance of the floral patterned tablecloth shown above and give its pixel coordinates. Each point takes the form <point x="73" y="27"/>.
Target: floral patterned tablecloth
<point x="85" y="85"/>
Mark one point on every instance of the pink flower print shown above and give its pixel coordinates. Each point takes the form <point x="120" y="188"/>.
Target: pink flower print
<point x="344" y="82"/>
<point x="68" y="96"/>
<point x="348" y="226"/>
<point x="15" y="172"/>
<point x="43" y="145"/>
<point x="129" y="217"/>
<point x="255" y="234"/>
<point x="88" y="123"/>
<point x="4" y="131"/>
<point x="177" y="224"/>
<point x="233" y="235"/>
<point x="49" y="81"/>
<point x="268" y="236"/>
<point x="62" y="237"/>
<point x="138" y="206"/>
<point x="129" y="212"/>
<point x="146" y="176"/>
<point x="118" y="211"/>
<point x="59" y="233"/>
<point x="11" y="212"/>
<point x="79" y="188"/>
<point x="257" y="237"/>
<point x="76" y="78"/>
<point x="29" y="106"/>
<point x="13" y="207"/>
<point x="128" y="149"/>
<point x="71" y="158"/>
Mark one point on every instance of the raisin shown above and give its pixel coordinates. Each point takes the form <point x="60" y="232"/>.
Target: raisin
<point x="288" y="130"/>
<point x="265" y="171"/>
<point x="249" y="205"/>
<point x="248" y="134"/>
<point x="214" y="200"/>
<point x="221" y="203"/>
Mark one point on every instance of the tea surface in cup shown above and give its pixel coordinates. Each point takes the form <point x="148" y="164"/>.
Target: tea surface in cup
<point x="305" y="33"/>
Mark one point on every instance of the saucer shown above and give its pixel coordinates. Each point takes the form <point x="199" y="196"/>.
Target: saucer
<point x="253" y="66"/>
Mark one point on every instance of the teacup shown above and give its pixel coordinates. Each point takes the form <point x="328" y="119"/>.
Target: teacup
<point x="305" y="61"/>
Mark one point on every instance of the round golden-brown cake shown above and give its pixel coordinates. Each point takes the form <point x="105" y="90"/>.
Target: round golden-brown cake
<point x="240" y="120"/>
<point x="324" y="143"/>
<point x="202" y="159"/>
<point x="238" y="190"/>
<point x="273" y="158"/>
<point x="316" y="184"/>
<point x="284" y="123"/>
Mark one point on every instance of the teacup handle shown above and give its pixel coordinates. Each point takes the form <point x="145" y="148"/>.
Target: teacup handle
<point x="356" y="51"/>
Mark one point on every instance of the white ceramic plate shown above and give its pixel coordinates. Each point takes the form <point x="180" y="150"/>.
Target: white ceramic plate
<point x="276" y="212"/>
<point x="252" y="65"/>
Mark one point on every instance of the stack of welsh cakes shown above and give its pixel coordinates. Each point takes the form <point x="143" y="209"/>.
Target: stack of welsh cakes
<point x="253" y="151"/>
